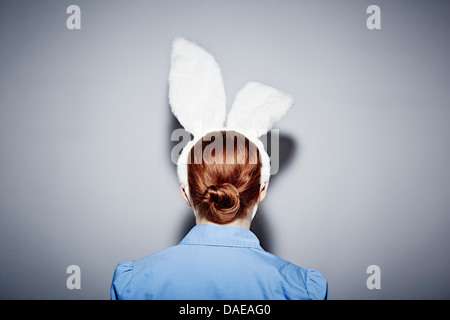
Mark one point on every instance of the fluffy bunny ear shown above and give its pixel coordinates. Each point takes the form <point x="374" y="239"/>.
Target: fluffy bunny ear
<point x="196" y="91"/>
<point x="256" y="108"/>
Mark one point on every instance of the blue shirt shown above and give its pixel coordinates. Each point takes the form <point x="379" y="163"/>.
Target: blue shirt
<point x="216" y="262"/>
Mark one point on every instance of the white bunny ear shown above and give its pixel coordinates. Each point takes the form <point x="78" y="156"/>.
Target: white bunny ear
<point x="257" y="107"/>
<point x="196" y="90"/>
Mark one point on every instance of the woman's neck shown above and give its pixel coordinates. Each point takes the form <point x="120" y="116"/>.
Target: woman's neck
<point x="244" y="222"/>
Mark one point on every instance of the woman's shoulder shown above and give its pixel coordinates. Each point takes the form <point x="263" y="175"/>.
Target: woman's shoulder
<point x="122" y="276"/>
<point x="313" y="281"/>
<point x="130" y="271"/>
<point x="317" y="285"/>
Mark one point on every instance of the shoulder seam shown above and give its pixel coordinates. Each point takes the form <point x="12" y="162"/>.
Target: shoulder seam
<point x="284" y="266"/>
<point x="307" y="284"/>
<point x="131" y="276"/>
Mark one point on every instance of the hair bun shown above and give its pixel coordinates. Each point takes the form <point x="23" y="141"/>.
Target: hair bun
<point x="223" y="200"/>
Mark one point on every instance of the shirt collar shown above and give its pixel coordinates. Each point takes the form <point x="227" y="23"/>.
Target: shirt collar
<point x="216" y="235"/>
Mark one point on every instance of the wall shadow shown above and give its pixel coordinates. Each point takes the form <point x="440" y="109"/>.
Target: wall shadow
<point x="260" y="225"/>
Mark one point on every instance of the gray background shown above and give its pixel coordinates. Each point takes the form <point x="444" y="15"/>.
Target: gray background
<point x="86" y="176"/>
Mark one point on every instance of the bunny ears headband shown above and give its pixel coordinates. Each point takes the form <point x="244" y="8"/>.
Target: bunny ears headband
<point x="197" y="99"/>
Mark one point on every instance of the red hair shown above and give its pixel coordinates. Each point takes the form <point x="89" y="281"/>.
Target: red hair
<point x="224" y="172"/>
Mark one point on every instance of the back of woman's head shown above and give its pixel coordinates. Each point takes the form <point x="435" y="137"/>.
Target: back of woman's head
<point x="224" y="172"/>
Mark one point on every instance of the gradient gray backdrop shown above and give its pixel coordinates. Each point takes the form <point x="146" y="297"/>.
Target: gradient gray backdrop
<point x="86" y="176"/>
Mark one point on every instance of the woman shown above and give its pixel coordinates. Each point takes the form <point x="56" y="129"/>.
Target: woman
<point x="220" y="258"/>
